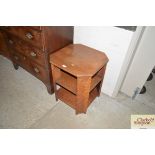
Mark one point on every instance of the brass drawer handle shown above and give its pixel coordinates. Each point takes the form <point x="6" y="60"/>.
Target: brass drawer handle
<point x="29" y="35"/>
<point x="11" y="41"/>
<point x="33" y="54"/>
<point x="36" y="70"/>
<point x="16" y="57"/>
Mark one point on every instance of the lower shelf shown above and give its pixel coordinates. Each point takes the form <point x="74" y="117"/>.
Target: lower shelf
<point x="71" y="99"/>
<point x="67" y="97"/>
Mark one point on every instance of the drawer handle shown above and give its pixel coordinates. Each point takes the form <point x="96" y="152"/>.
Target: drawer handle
<point x="36" y="70"/>
<point x="29" y="35"/>
<point x="33" y="54"/>
<point x="16" y="57"/>
<point x="11" y="42"/>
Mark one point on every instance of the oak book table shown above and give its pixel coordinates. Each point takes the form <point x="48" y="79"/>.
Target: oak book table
<point x="79" y="72"/>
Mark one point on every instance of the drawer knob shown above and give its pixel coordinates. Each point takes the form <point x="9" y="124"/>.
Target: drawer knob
<point x="36" y="70"/>
<point x="16" y="57"/>
<point x="29" y="35"/>
<point x="33" y="54"/>
<point x="11" y="42"/>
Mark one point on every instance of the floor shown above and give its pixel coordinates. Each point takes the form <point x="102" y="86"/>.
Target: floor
<point x="25" y="103"/>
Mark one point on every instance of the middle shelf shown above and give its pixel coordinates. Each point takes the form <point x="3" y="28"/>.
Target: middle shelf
<point x="69" y="82"/>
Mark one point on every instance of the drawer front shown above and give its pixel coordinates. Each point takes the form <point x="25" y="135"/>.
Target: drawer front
<point x="15" y="44"/>
<point x="28" y="34"/>
<point x="21" y="60"/>
<point x="35" y="55"/>
<point x="3" y="47"/>
<point x="39" y="72"/>
<point x="31" y="52"/>
<point x="5" y="53"/>
<point x="35" y="69"/>
<point x="39" y="28"/>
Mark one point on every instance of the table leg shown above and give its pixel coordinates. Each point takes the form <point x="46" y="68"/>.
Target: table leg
<point x="83" y="88"/>
<point x="100" y="84"/>
<point x="56" y="74"/>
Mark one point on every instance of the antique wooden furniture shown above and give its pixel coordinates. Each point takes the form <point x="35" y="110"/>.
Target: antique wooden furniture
<point x="30" y="47"/>
<point x="79" y="71"/>
<point x="3" y="47"/>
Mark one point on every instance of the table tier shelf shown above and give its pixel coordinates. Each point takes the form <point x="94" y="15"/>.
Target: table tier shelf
<point x="69" y="82"/>
<point x="71" y="99"/>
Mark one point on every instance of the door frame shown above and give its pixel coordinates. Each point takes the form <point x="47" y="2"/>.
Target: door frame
<point x="128" y="58"/>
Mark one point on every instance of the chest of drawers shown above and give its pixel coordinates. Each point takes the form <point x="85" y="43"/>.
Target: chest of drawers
<point x="30" y="47"/>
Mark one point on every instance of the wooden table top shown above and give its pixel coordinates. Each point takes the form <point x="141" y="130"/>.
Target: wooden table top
<point x="79" y="60"/>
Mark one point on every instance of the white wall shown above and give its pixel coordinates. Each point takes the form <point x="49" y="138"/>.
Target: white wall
<point x="111" y="40"/>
